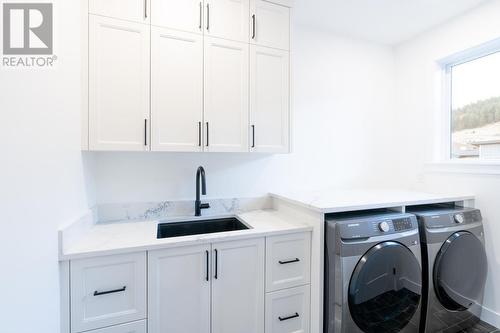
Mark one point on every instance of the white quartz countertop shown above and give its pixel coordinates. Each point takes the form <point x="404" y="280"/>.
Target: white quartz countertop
<point x="126" y="237"/>
<point x="333" y="201"/>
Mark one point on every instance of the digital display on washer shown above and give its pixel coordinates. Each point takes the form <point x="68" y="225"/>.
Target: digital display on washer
<point x="402" y="224"/>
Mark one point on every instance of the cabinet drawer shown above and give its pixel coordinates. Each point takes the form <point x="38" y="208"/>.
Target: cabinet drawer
<point x="288" y="261"/>
<point x="106" y="291"/>
<point x="287" y="311"/>
<point x="135" y="327"/>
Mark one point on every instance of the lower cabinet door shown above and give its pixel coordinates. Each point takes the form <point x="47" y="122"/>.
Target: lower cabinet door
<point x="287" y="311"/>
<point x="135" y="327"/>
<point x="238" y="287"/>
<point x="179" y="290"/>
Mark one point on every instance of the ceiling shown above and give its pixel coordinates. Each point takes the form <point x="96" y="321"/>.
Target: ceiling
<point x="381" y="21"/>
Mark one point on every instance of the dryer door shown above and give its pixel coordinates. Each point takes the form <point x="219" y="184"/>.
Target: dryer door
<point x="385" y="289"/>
<point x="460" y="271"/>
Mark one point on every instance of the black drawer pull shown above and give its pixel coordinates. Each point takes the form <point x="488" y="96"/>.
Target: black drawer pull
<point x="289" y="317"/>
<point x="99" y="293"/>
<point x="289" y="261"/>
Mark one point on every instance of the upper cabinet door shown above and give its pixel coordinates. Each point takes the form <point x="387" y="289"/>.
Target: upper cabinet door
<point x="185" y="15"/>
<point x="176" y="90"/>
<point x="227" y="19"/>
<point x="238" y="287"/>
<point x="179" y="290"/>
<point x="226" y="96"/>
<point x="270" y="25"/>
<point x="119" y="60"/>
<point x="269" y="100"/>
<point x="131" y="10"/>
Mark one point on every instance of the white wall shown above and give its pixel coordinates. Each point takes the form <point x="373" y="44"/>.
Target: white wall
<point x="342" y="98"/>
<point x="42" y="178"/>
<point x="418" y="89"/>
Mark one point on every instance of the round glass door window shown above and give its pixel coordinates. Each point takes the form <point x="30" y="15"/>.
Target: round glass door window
<point x="385" y="289"/>
<point x="460" y="272"/>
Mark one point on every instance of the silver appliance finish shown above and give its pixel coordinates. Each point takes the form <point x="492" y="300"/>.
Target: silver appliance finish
<point x="350" y="241"/>
<point x="455" y="266"/>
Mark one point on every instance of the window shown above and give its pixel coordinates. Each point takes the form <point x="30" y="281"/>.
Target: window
<point x="475" y="107"/>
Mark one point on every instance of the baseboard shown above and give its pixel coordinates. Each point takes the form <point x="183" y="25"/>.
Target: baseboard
<point x="491" y="317"/>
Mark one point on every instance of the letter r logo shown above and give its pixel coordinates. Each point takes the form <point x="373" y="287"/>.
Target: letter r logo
<point x="27" y="28"/>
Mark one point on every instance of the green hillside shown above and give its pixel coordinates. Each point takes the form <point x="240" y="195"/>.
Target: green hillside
<point x="476" y="114"/>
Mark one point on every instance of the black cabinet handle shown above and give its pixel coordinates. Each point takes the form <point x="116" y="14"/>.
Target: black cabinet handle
<point x="208" y="16"/>
<point x="201" y="15"/>
<point x="145" y="9"/>
<point x="145" y="132"/>
<point x="199" y="133"/>
<point x="216" y="264"/>
<point x="253" y="29"/>
<point x="208" y="135"/>
<point x="289" y="317"/>
<point x="289" y="261"/>
<point x="253" y="136"/>
<point x="208" y="254"/>
<point x="99" y="293"/>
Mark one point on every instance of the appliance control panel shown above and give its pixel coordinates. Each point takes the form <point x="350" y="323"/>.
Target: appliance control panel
<point x="451" y="218"/>
<point x="376" y="226"/>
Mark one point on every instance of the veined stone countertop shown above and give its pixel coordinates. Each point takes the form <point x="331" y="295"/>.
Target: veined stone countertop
<point x="334" y="201"/>
<point x="125" y="237"/>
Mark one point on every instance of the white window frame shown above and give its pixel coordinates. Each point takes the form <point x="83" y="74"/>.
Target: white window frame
<point x="446" y="66"/>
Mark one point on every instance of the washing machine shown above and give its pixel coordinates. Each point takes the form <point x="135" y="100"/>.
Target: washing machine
<point x="373" y="277"/>
<point x="454" y="267"/>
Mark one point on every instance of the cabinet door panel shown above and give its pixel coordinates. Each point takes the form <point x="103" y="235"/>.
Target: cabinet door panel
<point x="269" y="99"/>
<point x="118" y="84"/>
<point x="238" y="290"/>
<point x="178" y="291"/>
<point x="185" y="15"/>
<point x="272" y="25"/>
<point x="228" y="19"/>
<point x="107" y="291"/>
<point x="131" y="10"/>
<point x="226" y="95"/>
<point x="176" y="90"/>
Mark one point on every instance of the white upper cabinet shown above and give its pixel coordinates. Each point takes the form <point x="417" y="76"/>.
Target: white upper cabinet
<point x="269" y="100"/>
<point x="188" y="76"/>
<point x="119" y="60"/>
<point x="226" y="95"/>
<point x="185" y="15"/>
<point x="131" y="10"/>
<point x="270" y="24"/>
<point x="179" y="290"/>
<point x="238" y="287"/>
<point x="176" y="90"/>
<point x="227" y="19"/>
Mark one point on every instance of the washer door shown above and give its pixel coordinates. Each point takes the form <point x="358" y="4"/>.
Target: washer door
<point x="460" y="272"/>
<point x="385" y="288"/>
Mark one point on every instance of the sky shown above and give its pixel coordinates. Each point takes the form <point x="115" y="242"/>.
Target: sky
<point x="476" y="80"/>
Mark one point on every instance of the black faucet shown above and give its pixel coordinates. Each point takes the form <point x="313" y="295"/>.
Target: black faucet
<point x="198" y="206"/>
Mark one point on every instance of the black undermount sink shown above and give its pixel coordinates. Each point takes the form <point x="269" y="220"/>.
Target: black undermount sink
<point x="198" y="227"/>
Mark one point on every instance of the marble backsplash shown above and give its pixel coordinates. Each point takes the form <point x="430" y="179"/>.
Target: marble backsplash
<point x="108" y="213"/>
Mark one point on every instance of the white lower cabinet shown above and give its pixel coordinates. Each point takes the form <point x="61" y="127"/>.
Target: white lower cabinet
<point x="194" y="288"/>
<point x="238" y="287"/>
<point x="218" y="287"/>
<point x="179" y="290"/>
<point x="288" y="311"/>
<point x="135" y="327"/>
<point x="107" y="291"/>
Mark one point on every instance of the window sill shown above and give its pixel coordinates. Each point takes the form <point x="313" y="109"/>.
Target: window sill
<point x="479" y="167"/>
